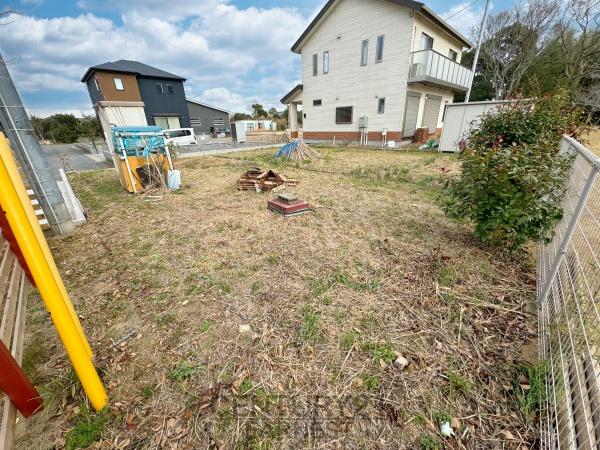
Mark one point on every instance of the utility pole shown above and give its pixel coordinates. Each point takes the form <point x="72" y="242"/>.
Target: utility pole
<point x="27" y="148"/>
<point x="479" y="39"/>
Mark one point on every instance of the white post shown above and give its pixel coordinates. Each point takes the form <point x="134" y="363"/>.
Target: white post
<point x="476" y="58"/>
<point x="293" y="119"/>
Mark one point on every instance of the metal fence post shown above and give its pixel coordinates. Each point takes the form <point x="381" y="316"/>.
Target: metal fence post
<point x="18" y="128"/>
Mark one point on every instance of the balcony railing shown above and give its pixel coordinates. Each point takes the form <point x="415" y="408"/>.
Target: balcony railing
<point x="431" y="67"/>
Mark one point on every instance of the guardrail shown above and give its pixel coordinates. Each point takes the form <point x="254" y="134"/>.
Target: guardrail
<point x="569" y="311"/>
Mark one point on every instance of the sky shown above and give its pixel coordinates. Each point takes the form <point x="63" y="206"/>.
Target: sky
<point x="232" y="52"/>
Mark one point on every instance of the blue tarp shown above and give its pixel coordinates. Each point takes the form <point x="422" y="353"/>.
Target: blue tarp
<point x="287" y="149"/>
<point x="138" y="141"/>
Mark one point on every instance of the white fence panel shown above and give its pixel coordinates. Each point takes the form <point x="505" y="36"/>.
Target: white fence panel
<point x="568" y="272"/>
<point x="460" y="118"/>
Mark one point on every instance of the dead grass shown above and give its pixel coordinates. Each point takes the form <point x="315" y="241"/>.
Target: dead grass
<point x="592" y="140"/>
<point x="248" y="330"/>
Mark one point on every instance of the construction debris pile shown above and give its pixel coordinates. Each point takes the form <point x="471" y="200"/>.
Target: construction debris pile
<point x="297" y="150"/>
<point x="257" y="180"/>
<point x="288" y="205"/>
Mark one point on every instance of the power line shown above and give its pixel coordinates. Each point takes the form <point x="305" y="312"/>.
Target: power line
<point x="461" y="10"/>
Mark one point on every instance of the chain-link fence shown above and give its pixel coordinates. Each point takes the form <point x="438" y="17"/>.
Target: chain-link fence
<point x="569" y="311"/>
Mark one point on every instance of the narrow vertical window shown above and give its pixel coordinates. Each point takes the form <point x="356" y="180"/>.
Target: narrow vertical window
<point x="325" y="62"/>
<point x="159" y="88"/>
<point x="315" y="64"/>
<point x="118" y="84"/>
<point x="452" y="55"/>
<point x="364" y="52"/>
<point x="379" y="49"/>
<point x="96" y="83"/>
<point x="426" y="41"/>
<point x="381" y="105"/>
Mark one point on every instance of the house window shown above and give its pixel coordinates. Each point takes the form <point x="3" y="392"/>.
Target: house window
<point x="317" y="102"/>
<point x="426" y="42"/>
<point x="379" y="49"/>
<point x="325" y="62"/>
<point x="381" y="105"/>
<point x="219" y="122"/>
<point x="452" y="55"/>
<point x="315" y="64"/>
<point x="118" y="84"/>
<point x="170" y="90"/>
<point x="159" y="88"/>
<point x="343" y="114"/>
<point x="96" y="83"/>
<point x="364" y="52"/>
<point x="249" y="127"/>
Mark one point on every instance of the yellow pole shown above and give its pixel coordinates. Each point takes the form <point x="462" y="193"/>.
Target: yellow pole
<point x="21" y="218"/>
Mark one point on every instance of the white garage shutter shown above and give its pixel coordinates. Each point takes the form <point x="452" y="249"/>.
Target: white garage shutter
<point x="410" y="115"/>
<point x="174" y="122"/>
<point x="433" y="104"/>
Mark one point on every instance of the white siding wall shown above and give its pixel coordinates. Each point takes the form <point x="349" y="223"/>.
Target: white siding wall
<point x="348" y="83"/>
<point x="442" y="41"/>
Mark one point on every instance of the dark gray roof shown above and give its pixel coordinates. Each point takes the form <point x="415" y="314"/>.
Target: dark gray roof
<point x="417" y="6"/>
<point x="133" y="67"/>
<point x="286" y="98"/>
<point x="206" y="105"/>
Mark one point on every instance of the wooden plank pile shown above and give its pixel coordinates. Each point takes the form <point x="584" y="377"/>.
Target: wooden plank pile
<point x="297" y="150"/>
<point x="258" y="180"/>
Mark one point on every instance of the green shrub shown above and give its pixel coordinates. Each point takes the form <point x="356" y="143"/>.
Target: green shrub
<point x="513" y="177"/>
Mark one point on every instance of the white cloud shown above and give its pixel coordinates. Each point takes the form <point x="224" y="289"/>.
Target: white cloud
<point x="466" y="19"/>
<point x="228" y="54"/>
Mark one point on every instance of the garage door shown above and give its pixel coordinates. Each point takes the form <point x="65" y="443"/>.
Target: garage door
<point x="410" y="114"/>
<point x="433" y="104"/>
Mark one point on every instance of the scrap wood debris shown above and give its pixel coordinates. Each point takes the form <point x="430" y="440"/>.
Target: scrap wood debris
<point x="297" y="150"/>
<point x="258" y="180"/>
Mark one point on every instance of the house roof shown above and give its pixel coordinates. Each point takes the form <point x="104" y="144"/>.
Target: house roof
<point x="417" y="6"/>
<point x="208" y="106"/>
<point x="132" y="67"/>
<point x="287" y="97"/>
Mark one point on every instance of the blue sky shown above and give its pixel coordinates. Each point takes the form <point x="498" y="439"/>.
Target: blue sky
<point x="233" y="52"/>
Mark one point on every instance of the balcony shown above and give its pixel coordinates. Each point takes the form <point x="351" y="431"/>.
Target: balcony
<point x="433" y="68"/>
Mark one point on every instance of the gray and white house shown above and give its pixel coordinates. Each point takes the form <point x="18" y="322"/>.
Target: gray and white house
<point x="206" y="118"/>
<point x="128" y="86"/>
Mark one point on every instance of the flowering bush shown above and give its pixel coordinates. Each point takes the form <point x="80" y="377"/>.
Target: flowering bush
<point x="513" y="175"/>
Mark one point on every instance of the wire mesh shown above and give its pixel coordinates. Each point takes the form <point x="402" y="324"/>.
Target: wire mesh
<point x="569" y="314"/>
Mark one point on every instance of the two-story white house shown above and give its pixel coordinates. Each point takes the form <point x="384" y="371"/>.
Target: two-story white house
<point x="375" y="65"/>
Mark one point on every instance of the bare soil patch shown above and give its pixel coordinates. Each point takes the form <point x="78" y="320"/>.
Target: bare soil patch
<point x="218" y="324"/>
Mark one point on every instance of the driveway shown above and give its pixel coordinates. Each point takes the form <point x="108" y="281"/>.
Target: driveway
<point x="73" y="157"/>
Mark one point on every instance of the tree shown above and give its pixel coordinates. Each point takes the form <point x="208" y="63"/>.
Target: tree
<point x="513" y="39"/>
<point x="580" y="38"/>
<point x="258" y="112"/>
<point x="241" y="116"/>
<point x="482" y="86"/>
<point x="273" y="113"/>
<point x="63" y="128"/>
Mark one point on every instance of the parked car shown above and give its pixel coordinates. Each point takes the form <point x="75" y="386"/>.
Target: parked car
<point x="220" y="132"/>
<point x="180" y="136"/>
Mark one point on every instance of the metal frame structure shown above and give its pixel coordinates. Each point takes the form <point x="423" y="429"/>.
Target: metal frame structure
<point x="569" y="311"/>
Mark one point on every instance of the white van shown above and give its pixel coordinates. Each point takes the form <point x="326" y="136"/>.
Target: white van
<point x="180" y="136"/>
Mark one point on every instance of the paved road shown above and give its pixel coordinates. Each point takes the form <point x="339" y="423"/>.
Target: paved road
<point x="72" y="157"/>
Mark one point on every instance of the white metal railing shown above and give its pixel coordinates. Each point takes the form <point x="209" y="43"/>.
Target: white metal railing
<point x="569" y="311"/>
<point x="429" y="65"/>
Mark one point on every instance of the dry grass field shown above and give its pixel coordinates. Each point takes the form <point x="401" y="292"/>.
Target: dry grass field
<point x="217" y="324"/>
<point x="592" y="141"/>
